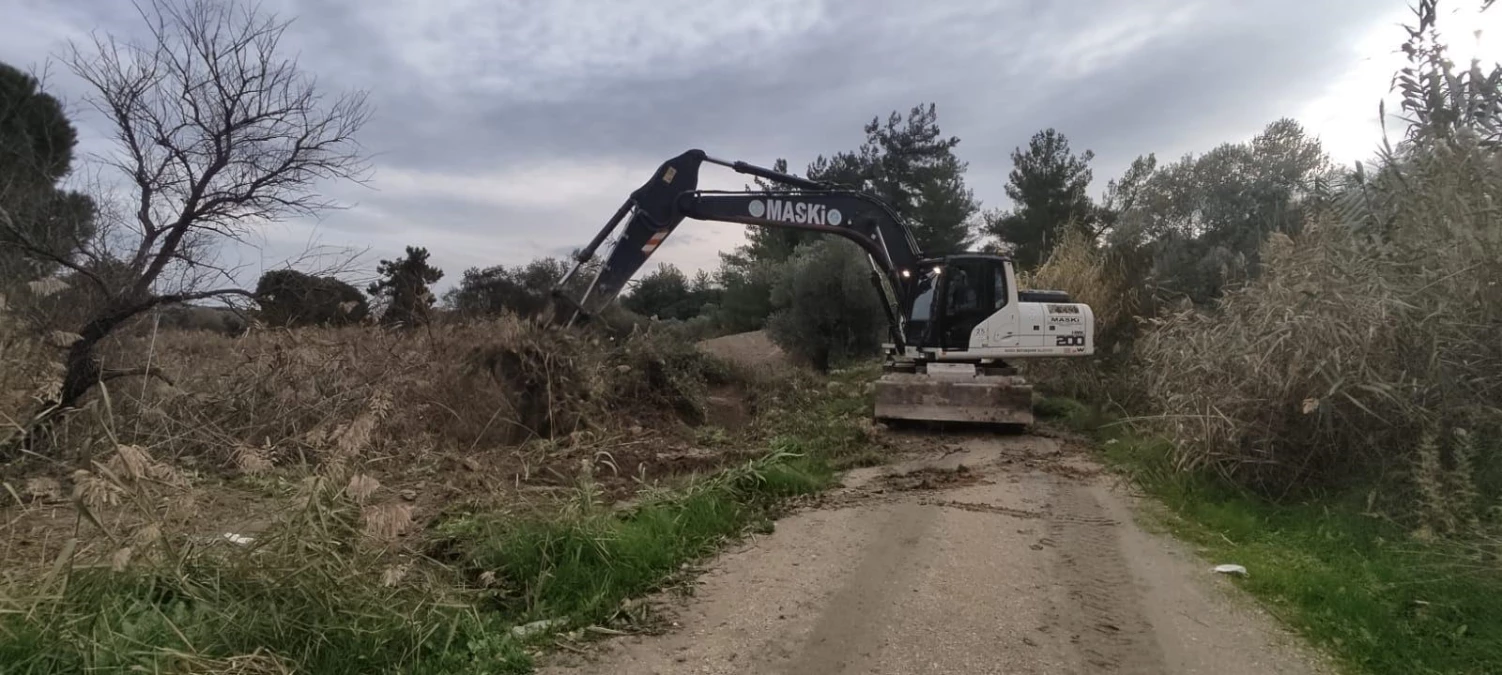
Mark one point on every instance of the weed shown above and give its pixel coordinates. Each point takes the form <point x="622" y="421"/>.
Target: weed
<point x="581" y="566"/>
<point x="712" y="436"/>
<point x="304" y="619"/>
<point x="1063" y="409"/>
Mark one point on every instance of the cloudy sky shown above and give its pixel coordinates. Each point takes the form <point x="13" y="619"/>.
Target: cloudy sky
<point x="508" y="129"/>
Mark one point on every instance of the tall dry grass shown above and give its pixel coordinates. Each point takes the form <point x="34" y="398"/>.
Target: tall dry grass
<point x="319" y="589"/>
<point x="30" y="365"/>
<point x="1096" y="276"/>
<point x="1367" y="350"/>
<point x="278" y="396"/>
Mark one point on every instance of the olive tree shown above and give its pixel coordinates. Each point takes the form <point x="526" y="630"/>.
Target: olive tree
<point x="826" y="308"/>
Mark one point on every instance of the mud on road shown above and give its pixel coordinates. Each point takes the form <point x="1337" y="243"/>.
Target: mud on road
<point x="985" y="554"/>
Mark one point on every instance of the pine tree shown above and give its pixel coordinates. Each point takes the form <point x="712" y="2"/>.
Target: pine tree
<point x="905" y="162"/>
<point x="405" y="283"/>
<point x="40" y="222"/>
<point x="1047" y="186"/>
<point x="912" y="166"/>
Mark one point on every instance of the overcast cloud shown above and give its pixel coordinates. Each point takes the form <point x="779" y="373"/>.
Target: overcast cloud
<point x="505" y="130"/>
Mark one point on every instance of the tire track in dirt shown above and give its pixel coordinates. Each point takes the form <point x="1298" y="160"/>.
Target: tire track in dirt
<point x="850" y="620"/>
<point x="1100" y="605"/>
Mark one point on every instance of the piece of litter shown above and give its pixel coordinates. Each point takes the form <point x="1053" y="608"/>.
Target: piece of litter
<point x="529" y="629"/>
<point x="1230" y="569"/>
<point x="238" y="538"/>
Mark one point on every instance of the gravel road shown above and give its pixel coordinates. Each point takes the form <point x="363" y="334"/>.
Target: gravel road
<point x="984" y="554"/>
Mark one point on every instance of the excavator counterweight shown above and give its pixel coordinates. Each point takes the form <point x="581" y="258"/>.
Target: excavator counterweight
<point x="954" y="320"/>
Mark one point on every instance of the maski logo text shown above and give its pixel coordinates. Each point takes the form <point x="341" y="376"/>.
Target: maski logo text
<point x="796" y="212"/>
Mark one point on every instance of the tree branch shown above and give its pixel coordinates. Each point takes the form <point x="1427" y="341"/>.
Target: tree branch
<point x="107" y="374"/>
<point x="201" y="295"/>
<point x="23" y="243"/>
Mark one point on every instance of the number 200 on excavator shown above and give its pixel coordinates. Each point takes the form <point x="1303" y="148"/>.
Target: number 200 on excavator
<point x="954" y="320"/>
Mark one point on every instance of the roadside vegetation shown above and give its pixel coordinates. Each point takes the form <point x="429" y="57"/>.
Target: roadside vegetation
<point x="391" y="504"/>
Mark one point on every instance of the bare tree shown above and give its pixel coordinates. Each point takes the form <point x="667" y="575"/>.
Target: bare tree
<point x="216" y="133"/>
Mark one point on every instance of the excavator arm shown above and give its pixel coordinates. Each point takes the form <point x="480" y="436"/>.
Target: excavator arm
<point x="658" y="207"/>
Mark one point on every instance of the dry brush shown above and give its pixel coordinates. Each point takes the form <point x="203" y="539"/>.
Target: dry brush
<point x="1366" y="350"/>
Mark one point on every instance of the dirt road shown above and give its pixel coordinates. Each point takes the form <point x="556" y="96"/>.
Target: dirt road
<point x="994" y="554"/>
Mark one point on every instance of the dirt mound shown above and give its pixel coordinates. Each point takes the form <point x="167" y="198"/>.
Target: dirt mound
<point x="753" y="349"/>
<point x="932" y="478"/>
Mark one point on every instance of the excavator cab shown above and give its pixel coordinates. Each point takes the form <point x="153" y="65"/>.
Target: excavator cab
<point x="953" y="296"/>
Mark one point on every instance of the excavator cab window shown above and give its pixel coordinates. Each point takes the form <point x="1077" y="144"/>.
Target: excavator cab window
<point x="921" y="319"/>
<point x="971" y="294"/>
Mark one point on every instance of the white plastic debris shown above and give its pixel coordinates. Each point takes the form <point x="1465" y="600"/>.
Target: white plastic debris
<point x="529" y="629"/>
<point x="238" y="538"/>
<point x="1231" y="569"/>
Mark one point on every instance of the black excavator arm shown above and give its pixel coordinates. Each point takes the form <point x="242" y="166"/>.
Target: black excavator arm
<point x="656" y="208"/>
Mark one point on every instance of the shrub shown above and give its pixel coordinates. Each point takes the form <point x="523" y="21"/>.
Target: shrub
<point x="521" y="290"/>
<point x="220" y="320"/>
<point x="292" y="298"/>
<point x="1366" y="350"/>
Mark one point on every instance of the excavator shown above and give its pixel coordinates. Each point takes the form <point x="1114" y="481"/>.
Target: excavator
<point x="955" y="320"/>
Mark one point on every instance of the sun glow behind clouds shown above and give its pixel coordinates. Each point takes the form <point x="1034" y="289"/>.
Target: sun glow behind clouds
<point x="1345" y="117"/>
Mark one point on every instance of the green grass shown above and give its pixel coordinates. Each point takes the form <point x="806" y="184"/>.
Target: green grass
<point x="321" y="616"/>
<point x="322" y="608"/>
<point x="580" y="567"/>
<point x="1358" y="586"/>
<point x="828" y="424"/>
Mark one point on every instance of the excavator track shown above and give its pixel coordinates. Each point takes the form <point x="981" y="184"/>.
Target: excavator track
<point x="964" y="393"/>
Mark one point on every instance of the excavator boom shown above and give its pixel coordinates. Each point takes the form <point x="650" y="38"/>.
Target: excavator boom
<point x="659" y="206"/>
